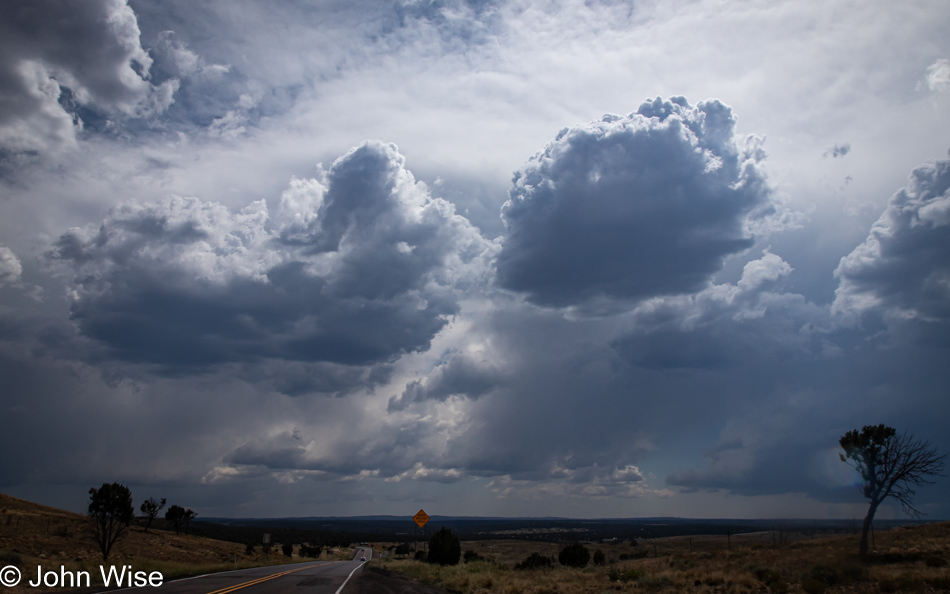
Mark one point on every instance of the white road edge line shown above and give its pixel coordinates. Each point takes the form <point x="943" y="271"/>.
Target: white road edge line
<point x="343" y="585"/>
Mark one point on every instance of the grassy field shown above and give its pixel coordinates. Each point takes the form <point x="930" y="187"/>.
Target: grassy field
<point x="33" y="534"/>
<point x="904" y="560"/>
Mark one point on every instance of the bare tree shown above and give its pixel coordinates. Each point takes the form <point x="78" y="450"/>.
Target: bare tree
<point x="111" y="511"/>
<point x="150" y="508"/>
<point x="890" y="465"/>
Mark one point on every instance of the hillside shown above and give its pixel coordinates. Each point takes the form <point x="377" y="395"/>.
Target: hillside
<point x="34" y="530"/>
<point x="32" y="534"/>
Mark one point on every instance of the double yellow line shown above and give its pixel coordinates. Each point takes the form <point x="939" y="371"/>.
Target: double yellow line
<point x="259" y="580"/>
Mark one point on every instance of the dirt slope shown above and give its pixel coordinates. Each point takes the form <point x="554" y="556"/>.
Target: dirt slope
<point x="39" y="532"/>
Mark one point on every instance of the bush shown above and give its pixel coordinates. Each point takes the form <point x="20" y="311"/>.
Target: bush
<point x="935" y="562"/>
<point x="7" y="558"/>
<point x="599" y="557"/>
<point x="909" y="583"/>
<point x="887" y="585"/>
<point x="470" y="556"/>
<point x="853" y="572"/>
<point x="419" y="556"/>
<point x="536" y="561"/>
<point x="939" y="583"/>
<point x="288" y="550"/>
<point x="574" y="555"/>
<point x="249" y="548"/>
<point x="812" y="586"/>
<point x="655" y="583"/>
<point x="403" y="549"/>
<point x="764" y="574"/>
<point x="444" y="548"/>
<point x="778" y="586"/>
<point x="633" y="574"/>
<point x="825" y="574"/>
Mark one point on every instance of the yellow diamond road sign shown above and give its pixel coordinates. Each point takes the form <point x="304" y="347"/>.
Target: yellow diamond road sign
<point x="420" y="518"/>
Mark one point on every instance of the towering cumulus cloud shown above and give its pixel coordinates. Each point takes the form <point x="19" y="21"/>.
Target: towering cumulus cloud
<point x="903" y="268"/>
<point x="58" y="56"/>
<point x="631" y="207"/>
<point x="353" y="269"/>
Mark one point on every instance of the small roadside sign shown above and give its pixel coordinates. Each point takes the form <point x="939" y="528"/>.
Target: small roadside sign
<point x="420" y="518"/>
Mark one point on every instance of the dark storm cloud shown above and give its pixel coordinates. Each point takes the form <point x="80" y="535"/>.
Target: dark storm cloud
<point x="726" y="325"/>
<point x="58" y="54"/>
<point x="356" y="269"/>
<point x="461" y="375"/>
<point x="391" y="452"/>
<point x="902" y="270"/>
<point x="632" y="207"/>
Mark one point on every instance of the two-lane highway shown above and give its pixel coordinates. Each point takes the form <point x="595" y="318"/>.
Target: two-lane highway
<point x="319" y="577"/>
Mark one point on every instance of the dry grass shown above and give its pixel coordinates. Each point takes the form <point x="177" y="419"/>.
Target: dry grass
<point x="905" y="560"/>
<point x="33" y="534"/>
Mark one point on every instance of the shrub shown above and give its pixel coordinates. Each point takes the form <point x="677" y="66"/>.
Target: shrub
<point x="764" y="574"/>
<point x="288" y="549"/>
<point x="909" y="583"/>
<point x="887" y="585"/>
<point x="249" y="548"/>
<point x="654" y="583"/>
<point x="536" y="561"/>
<point x="470" y="556"/>
<point x="633" y="574"/>
<point x="939" y="583"/>
<point x="419" y="556"/>
<point x="778" y="586"/>
<point x="8" y="558"/>
<point x="574" y="555"/>
<point x="935" y="562"/>
<point x="853" y="572"/>
<point x="825" y="574"/>
<point x="810" y="585"/>
<point x="599" y="557"/>
<point x="444" y="548"/>
<point x="616" y="575"/>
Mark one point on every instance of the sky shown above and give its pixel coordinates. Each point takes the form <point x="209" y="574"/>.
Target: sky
<point x="590" y="259"/>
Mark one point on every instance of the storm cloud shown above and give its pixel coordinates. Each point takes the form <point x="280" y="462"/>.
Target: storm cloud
<point x="902" y="270"/>
<point x="646" y="321"/>
<point x="356" y="268"/>
<point x="632" y="207"/>
<point x="58" y="58"/>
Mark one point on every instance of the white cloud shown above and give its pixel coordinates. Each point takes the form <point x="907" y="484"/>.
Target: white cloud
<point x="938" y="76"/>
<point x="10" y="268"/>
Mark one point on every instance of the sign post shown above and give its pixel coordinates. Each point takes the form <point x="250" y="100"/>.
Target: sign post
<point x="421" y="519"/>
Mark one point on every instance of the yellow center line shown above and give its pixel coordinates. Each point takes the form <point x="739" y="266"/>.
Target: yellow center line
<point x="262" y="579"/>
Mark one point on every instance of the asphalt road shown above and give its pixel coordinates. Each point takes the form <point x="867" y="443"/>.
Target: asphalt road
<point x="318" y="577"/>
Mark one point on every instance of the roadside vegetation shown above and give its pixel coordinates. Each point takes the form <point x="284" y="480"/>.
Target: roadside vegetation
<point x="33" y="534"/>
<point x="901" y="560"/>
